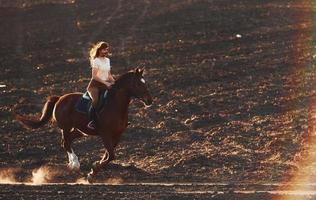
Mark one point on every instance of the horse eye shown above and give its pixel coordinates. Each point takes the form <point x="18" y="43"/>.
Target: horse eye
<point x="143" y="80"/>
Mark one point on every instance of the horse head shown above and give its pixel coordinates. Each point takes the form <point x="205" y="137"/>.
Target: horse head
<point x="134" y="84"/>
<point x="138" y="87"/>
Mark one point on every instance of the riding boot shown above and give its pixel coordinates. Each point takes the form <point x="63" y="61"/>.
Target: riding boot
<point x="92" y="117"/>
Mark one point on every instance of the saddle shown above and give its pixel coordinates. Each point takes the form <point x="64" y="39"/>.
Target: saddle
<point x="85" y="102"/>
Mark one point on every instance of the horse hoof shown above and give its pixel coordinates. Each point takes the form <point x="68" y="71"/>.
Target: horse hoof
<point x="90" y="177"/>
<point x="95" y="165"/>
<point x="74" y="167"/>
<point x="69" y="166"/>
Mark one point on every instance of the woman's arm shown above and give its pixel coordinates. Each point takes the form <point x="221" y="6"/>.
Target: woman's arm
<point x="110" y="77"/>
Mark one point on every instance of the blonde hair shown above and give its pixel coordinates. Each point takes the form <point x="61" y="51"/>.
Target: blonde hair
<point x="95" y="49"/>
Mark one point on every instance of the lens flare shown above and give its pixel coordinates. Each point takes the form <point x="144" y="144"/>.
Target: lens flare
<point x="303" y="178"/>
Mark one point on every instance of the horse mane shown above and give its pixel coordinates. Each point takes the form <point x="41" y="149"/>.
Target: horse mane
<point x="119" y="82"/>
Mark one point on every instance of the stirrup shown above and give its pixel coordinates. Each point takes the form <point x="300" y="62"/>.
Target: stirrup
<point x="91" y="125"/>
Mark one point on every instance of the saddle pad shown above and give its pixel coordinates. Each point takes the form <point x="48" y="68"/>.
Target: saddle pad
<point x="83" y="103"/>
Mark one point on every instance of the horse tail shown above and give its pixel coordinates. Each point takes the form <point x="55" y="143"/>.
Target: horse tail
<point x="47" y="112"/>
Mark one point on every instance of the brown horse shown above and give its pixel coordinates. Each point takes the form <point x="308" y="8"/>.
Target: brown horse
<point x="111" y="123"/>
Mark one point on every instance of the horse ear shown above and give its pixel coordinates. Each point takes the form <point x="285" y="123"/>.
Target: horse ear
<point x="142" y="70"/>
<point x="139" y="70"/>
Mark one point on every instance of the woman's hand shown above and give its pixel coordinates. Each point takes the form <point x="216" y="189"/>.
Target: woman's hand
<point x="110" y="77"/>
<point x="108" y="84"/>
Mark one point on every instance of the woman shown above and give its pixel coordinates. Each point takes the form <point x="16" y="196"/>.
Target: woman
<point x="101" y="77"/>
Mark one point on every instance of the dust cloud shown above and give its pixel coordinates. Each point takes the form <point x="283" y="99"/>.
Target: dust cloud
<point x="8" y="176"/>
<point x="82" y="181"/>
<point x="41" y="175"/>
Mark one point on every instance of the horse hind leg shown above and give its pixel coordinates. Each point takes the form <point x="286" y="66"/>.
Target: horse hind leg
<point x="67" y="138"/>
<point x="74" y="163"/>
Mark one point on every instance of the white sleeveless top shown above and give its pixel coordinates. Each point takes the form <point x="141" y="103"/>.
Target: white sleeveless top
<point x="103" y="66"/>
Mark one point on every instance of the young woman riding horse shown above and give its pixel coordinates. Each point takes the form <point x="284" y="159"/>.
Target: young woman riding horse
<point x="101" y="77"/>
<point x="112" y="120"/>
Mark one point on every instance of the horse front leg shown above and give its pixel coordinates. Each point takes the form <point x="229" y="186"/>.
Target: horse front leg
<point x="107" y="157"/>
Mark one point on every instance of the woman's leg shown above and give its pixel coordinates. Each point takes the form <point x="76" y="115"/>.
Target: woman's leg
<point x="94" y="94"/>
